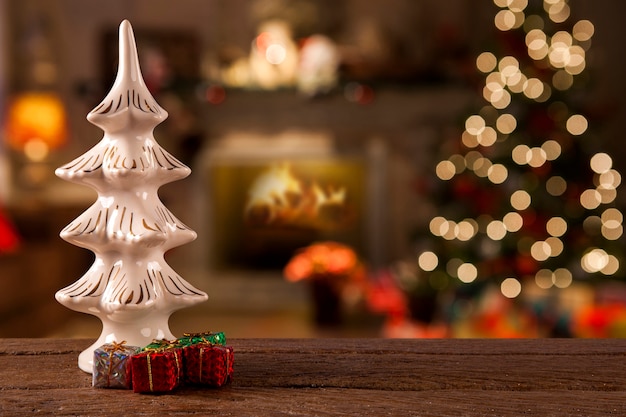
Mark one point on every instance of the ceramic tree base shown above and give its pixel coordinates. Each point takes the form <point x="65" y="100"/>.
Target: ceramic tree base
<point x="135" y="332"/>
<point x="129" y="287"/>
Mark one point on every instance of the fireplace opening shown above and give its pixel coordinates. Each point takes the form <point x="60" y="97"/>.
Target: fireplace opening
<point x="264" y="210"/>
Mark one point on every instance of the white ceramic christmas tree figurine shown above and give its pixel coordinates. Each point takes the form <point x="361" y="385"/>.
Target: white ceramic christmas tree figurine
<point x="129" y="287"/>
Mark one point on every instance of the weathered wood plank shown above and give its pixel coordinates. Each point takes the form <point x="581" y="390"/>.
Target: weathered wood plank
<point x="259" y="402"/>
<point x="347" y="377"/>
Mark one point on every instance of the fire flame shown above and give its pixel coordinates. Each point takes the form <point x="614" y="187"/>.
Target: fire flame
<point x="278" y="197"/>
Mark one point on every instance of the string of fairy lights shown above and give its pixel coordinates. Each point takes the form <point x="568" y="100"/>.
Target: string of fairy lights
<point x="564" y="54"/>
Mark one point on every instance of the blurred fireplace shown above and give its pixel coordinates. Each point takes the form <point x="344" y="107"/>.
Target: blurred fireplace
<point x="270" y="196"/>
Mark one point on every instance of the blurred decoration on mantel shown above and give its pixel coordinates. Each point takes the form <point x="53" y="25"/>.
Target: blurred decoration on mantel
<point x="317" y="47"/>
<point x="36" y="125"/>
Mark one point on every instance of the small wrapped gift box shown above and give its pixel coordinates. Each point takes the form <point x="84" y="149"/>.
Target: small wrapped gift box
<point x="111" y="365"/>
<point x="157" y="368"/>
<point x="208" y="364"/>
<point x="217" y="338"/>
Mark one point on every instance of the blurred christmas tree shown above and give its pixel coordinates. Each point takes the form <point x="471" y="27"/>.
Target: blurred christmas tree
<point x="526" y="199"/>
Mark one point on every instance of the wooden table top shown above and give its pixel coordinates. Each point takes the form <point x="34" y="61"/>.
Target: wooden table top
<point x="341" y="377"/>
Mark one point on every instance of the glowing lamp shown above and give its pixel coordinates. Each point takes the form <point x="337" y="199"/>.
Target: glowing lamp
<point x="36" y="123"/>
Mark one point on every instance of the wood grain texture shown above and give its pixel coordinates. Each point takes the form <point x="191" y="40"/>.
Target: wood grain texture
<point x="345" y="377"/>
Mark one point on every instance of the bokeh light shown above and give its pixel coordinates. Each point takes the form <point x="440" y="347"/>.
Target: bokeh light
<point x="511" y="288"/>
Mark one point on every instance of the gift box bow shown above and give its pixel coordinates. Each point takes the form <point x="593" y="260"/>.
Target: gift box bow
<point x="217" y="338"/>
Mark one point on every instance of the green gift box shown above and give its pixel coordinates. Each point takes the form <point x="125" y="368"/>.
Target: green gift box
<point x="213" y="338"/>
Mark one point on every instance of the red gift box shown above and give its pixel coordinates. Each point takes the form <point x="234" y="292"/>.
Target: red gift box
<point x="156" y="370"/>
<point x="208" y="364"/>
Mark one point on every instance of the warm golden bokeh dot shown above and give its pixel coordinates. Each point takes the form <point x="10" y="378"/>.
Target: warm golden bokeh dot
<point x="521" y="154"/>
<point x="544" y="278"/>
<point x="556" y="185"/>
<point x="562" y="278"/>
<point x="475" y="125"/>
<point x="511" y="288"/>
<point x="558" y="12"/>
<point x="556" y="246"/>
<point x="601" y="163"/>
<point x="537" y="157"/>
<point x="467" y="273"/>
<point x="607" y="195"/>
<point x="590" y="199"/>
<point x="520" y="200"/>
<point x="612" y="215"/>
<point x="577" y="124"/>
<point x="536" y="37"/>
<point x="556" y="226"/>
<point x="612" y="231"/>
<point x="445" y="170"/>
<point x="513" y="221"/>
<point x="482" y="167"/>
<point x="508" y="65"/>
<point x="561" y="39"/>
<point x="502" y="100"/>
<point x="469" y="140"/>
<point x="609" y="179"/>
<point x="533" y="88"/>
<point x="540" y="250"/>
<point x="552" y="149"/>
<point x="518" y="86"/>
<point x="505" y="20"/>
<point x="487" y="137"/>
<point x="497" y="173"/>
<point x="428" y="261"/>
<point x="450" y="230"/>
<point x="583" y="30"/>
<point x="486" y="62"/>
<point x="538" y="47"/>
<point x="466" y="230"/>
<point x="437" y="226"/>
<point x="496" y="230"/>
<point x="506" y="123"/>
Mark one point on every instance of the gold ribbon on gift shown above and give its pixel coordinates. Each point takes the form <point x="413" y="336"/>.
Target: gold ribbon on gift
<point x="114" y="346"/>
<point x="227" y="361"/>
<point x="200" y="371"/>
<point x="164" y="347"/>
<point x="149" y="373"/>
